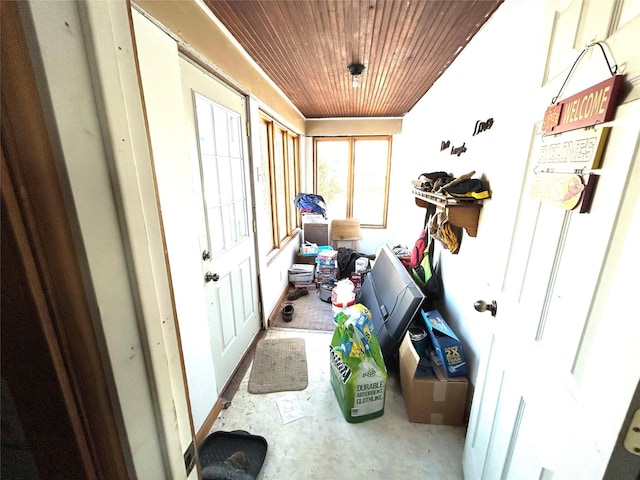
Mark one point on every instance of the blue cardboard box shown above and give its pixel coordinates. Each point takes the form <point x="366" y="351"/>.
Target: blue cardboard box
<point x="447" y="346"/>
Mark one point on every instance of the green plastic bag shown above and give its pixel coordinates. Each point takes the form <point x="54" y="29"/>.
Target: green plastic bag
<point x="358" y="372"/>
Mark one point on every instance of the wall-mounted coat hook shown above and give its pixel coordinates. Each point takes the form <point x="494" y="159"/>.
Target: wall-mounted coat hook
<point x="482" y="306"/>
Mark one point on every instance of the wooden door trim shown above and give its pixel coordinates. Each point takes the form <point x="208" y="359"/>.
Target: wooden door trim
<point x="40" y="200"/>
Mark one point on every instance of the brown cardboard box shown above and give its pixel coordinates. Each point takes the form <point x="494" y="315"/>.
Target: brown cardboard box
<point x="428" y="399"/>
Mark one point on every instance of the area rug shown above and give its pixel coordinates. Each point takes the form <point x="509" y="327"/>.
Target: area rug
<point x="310" y="313"/>
<point x="279" y="365"/>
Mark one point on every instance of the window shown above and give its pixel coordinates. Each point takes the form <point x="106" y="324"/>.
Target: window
<point x="280" y="179"/>
<point x="352" y="175"/>
<point x="264" y="182"/>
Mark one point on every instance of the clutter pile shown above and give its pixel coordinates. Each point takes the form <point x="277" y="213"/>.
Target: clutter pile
<point x="433" y="372"/>
<point x="301" y="276"/>
<point x="347" y="259"/>
<point x="446" y="184"/>
<point x="445" y="232"/>
<point x="327" y="266"/>
<point x="310" y="203"/>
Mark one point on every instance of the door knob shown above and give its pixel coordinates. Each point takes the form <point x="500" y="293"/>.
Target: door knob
<point x="482" y="306"/>
<point x="211" y="277"/>
<point x="206" y="255"/>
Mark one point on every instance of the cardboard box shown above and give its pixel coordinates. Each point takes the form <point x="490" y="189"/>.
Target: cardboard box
<point x="445" y="342"/>
<point x="427" y="398"/>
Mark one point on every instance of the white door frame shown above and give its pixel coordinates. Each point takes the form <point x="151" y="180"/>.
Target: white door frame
<point x="99" y="136"/>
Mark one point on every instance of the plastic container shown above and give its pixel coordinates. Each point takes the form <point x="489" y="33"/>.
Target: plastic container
<point x="337" y="308"/>
<point x="418" y="337"/>
<point x="343" y="295"/>
<point x="342" y="299"/>
<point x="220" y="445"/>
<point x="362" y="264"/>
<point x="309" y="249"/>
<point x="344" y="288"/>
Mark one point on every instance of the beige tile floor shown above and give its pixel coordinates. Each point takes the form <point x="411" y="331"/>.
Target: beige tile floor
<point x="322" y="445"/>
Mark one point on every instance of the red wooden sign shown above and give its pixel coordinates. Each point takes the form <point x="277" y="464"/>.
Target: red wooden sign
<point x="594" y="105"/>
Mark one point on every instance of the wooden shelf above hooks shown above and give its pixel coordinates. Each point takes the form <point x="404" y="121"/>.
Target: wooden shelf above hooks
<point x="461" y="212"/>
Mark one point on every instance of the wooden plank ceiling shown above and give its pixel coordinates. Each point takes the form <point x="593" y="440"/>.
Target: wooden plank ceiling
<point x="305" y="46"/>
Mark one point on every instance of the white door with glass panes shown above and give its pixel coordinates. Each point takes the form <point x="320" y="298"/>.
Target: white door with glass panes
<point x="216" y="120"/>
<point x="546" y="402"/>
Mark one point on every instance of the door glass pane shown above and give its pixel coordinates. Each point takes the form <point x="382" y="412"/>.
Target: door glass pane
<point x="233" y="223"/>
<point x="235" y="145"/>
<point x="332" y="172"/>
<point x="221" y="130"/>
<point x="237" y="178"/>
<point x="205" y="126"/>
<point x="241" y="224"/>
<point x="226" y="185"/>
<point x="370" y="181"/>
<point x="210" y="181"/>
<point x="219" y="136"/>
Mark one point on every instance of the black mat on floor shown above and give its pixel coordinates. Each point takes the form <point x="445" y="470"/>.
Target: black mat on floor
<point x="220" y="445"/>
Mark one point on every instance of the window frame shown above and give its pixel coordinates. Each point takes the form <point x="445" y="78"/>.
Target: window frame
<point x="284" y="165"/>
<point x="351" y="171"/>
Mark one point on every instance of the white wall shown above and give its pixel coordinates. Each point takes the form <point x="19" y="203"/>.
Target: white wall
<point x="493" y="77"/>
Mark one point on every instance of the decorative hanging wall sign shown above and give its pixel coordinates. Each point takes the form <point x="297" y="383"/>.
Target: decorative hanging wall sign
<point x="562" y="158"/>
<point x="563" y="173"/>
<point x="594" y="105"/>
<point x="576" y="150"/>
<point x="560" y="190"/>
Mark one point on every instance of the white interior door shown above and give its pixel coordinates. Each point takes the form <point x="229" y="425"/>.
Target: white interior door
<point x="216" y="120"/>
<point x="541" y="408"/>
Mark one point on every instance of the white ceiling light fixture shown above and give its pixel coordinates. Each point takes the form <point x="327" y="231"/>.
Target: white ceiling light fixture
<point x="356" y="69"/>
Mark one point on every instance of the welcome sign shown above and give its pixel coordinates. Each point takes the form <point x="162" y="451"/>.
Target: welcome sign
<point x="594" y="105"/>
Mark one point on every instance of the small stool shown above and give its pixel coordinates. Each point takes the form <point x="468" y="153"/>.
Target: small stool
<point x="347" y="230"/>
